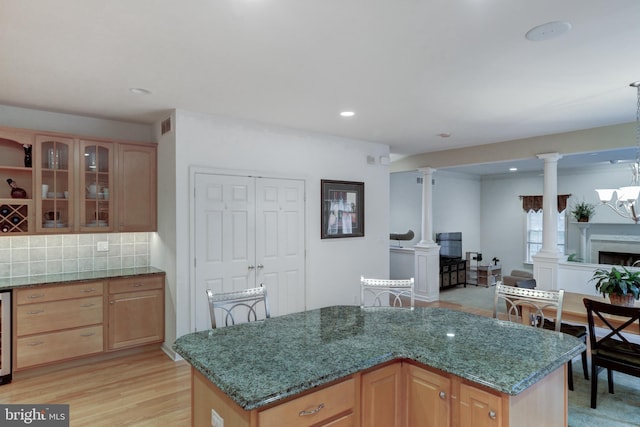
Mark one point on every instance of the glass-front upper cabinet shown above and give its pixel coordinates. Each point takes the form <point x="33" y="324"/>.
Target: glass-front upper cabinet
<point x="53" y="161"/>
<point x="96" y="182"/>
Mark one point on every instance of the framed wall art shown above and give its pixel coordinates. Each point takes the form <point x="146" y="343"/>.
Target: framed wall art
<point x="342" y="207"/>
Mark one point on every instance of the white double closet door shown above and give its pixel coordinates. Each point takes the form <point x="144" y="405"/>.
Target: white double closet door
<point x="249" y="231"/>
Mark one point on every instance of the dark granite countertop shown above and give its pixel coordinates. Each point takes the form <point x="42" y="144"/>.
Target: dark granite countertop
<point x="261" y="362"/>
<point x="50" y="279"/>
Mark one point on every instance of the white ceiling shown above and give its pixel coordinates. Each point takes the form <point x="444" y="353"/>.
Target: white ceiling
<point x="410" y="69"/>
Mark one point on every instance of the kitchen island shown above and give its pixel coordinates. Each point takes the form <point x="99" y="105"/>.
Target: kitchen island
<point x="348" y="366"/>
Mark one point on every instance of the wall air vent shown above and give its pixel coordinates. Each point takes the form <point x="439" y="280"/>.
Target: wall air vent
<point x="165" y="126"/>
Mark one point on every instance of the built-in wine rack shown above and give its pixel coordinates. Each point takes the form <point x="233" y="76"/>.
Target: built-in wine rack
<point x="14" y="217"/>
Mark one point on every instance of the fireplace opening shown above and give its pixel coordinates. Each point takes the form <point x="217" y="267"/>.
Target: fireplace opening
<point x="617" y="258"/>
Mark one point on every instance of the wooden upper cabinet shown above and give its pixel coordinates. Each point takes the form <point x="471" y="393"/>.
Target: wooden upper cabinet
<point x="76" y="184"/>
<point x="136" y="187"/>
<point x="96" y="177"/>
<point x="54" y="167"/>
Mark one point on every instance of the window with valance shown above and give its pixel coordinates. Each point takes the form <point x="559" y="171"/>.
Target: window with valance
<point x="534" y="203"/>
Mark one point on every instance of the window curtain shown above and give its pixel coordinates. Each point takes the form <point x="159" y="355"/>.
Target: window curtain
<point x="534" y="203"/>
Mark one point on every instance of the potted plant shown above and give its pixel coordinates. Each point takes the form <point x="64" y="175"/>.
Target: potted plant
<point x="622" y="286"/>
<point x="582" y="211"/>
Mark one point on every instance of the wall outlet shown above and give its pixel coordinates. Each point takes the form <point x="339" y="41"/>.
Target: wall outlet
<point x="102" y="246"/>
<point x="216" y="419"/>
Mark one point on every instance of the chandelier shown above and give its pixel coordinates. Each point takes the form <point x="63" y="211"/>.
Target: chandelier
<point x="626" y="198"/>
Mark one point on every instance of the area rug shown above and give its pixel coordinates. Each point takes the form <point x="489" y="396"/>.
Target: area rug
<point x="613" y="410"/>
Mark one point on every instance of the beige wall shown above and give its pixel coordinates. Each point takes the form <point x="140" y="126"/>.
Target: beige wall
<point x="584" y="141"/>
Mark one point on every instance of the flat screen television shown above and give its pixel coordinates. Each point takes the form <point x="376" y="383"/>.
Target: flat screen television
<point x="450" y="244"/>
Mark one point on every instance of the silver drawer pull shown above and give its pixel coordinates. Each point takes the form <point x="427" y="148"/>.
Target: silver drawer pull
<point x="442" y="395"/>
<point x="492" y="415"/>
<point x="35" y="343"/>
<point x="87" y="305"/>
<point x="36" y="311"/>
<point x="311" y="411"/>
<point x="34" y="296"/>
<point x="88" y="290"/>
<point x="88" y="334"/>
<point x="137" y="285"/>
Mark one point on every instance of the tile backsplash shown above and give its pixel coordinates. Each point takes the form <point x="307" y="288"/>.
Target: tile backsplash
<point x="71" y="253"/>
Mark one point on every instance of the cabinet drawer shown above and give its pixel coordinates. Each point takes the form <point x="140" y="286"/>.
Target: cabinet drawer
<point x="328" y="402"/>
<point x="40" y="294"/>
<point x="51" y="316"/>
<point x="51" y="347"/>
<point x="131" y="284"/>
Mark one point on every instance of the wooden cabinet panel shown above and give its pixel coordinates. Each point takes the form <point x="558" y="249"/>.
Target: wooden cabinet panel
<point x="428" y="398"/>
<point x="137" y="187"/>
<point x="479" y="408"/>
<point x="39" y="294"/>
<point x="312" y="408"/>
<point x="53" y="346"/>
<point x="133" y="284"/>
<point x="344" y="421"/>
<point x="381" y="397"/>
<point x="135" y="318"/>
<point x="54" y="168"/>
<point x="55" y="315"/>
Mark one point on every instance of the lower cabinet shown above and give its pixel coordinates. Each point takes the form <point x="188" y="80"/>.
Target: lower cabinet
<point x="136" y="311"/>
<point x="479" y="408"/>
<point x="400" y="394"/>
<point x="54" y="323"/>
<point x="428" y="397"/>
<point x="381" y="396"/>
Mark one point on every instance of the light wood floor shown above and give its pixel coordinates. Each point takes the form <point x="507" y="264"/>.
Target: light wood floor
<point x="143" y="389"/>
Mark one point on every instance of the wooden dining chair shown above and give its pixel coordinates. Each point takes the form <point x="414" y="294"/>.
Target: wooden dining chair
<point x="386" y="292"/>
<point x="613" y="352"/>
<point x="536" y="302"/>
<point x="243" y="306"/>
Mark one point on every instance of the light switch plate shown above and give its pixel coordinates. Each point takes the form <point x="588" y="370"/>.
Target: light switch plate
<point x="216" y="419"/>
<point x="103" y="246"/>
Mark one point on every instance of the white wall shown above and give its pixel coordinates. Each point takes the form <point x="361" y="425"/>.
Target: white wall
<point x="79" y="125"/>
<point x="456" y="206"/>
<point x="489" y="211"/>
<point x="333" y="266"/>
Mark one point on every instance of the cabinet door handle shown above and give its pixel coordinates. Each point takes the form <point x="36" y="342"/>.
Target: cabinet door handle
<point x="34" y="296"/>
<point x="137" y="285"/>
<point x="35" y="343"/>
<point x="87" y="305"/>
<point x="492" y="415"/>
<point x="88" y="290"/>
<point x="311" y="411"/>
<point x="36" y="311"/>
<point x="88" y="334"/>
<point x="251" y="267"/>
<point x="442" y="395"/>
<point x="260" y="266"/>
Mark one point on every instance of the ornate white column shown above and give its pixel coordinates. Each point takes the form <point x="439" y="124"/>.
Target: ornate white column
<point x="427" y="252"/>
<point x="545" y="262"/>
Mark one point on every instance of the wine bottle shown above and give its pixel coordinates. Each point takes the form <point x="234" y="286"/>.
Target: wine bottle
<point x="16" y="192"/>
<point x="4" y="228"/>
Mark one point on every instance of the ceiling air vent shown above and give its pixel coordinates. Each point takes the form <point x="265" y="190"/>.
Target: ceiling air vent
<point x="165" y="126"/>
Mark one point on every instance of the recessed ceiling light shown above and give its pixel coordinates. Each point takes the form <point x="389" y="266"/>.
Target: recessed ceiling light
<point x="139" y="91"/>
<point x="444" y="135"/>
<point x="513" y="169"/>
<point x="548" y="31"/>
<point x="347" y="114"/>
